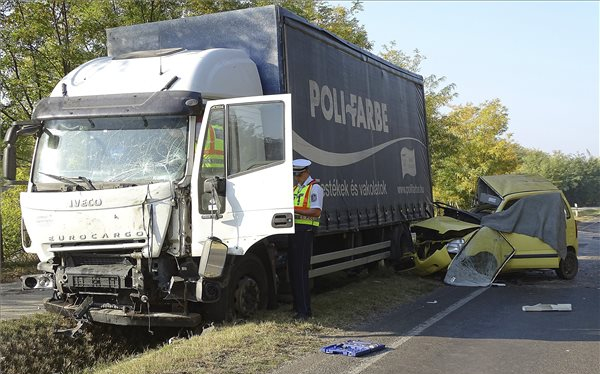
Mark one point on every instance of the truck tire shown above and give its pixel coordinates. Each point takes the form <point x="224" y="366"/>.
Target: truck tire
<point x="246" y="293"/>
<point x="248" y="290"/>
<point x="567" y="267"/>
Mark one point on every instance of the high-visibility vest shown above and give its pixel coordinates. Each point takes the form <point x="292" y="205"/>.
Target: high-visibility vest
<point x="214" y="150"/>
<point x="302" y="200"/>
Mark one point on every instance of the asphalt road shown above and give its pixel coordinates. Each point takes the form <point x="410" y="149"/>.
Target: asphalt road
<point x="460" y="329"/>
<point x="484" y="330"/>
<point x="15" y="302"/>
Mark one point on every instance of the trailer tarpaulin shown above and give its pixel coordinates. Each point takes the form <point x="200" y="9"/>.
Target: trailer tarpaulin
<point x="362" y="124"/>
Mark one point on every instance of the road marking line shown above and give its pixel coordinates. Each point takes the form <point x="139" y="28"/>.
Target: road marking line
<point x="417" y="331"/>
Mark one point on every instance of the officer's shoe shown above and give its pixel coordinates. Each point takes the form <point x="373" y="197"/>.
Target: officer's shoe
<point x="302" y="316"/>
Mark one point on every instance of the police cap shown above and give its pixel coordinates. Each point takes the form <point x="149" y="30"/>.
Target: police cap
<point x="300" y="165"/>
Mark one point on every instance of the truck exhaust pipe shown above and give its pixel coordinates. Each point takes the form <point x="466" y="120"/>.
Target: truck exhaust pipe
<point x="37" y="282"/>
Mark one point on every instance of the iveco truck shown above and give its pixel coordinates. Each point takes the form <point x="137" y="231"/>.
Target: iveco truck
<point x="161" y="184"/>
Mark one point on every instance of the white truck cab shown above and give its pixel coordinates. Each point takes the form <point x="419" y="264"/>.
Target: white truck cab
<point x="117" y="205"/>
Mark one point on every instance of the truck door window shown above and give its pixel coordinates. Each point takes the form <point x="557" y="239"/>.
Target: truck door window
<point x="255" y="137"/>
<point x="213" y="155"/>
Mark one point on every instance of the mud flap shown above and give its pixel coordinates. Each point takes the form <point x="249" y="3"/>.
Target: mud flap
<point x="401" y="242"/>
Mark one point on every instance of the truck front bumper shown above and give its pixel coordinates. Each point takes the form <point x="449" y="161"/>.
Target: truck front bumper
<point x="119" y="317"/>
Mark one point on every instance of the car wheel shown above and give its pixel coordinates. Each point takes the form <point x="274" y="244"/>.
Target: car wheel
<point x="567" y="267"/>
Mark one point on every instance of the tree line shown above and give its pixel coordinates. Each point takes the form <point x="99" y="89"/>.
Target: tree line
<point x="43" y="40"/>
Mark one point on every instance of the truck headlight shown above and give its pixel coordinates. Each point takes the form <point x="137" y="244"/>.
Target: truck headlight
<point x="454" y="246"/>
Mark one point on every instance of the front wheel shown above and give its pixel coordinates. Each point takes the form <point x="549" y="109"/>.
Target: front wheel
<point x="248" y="286"/>
<point x="246" y="293"/>
<point x="567" y="267"/>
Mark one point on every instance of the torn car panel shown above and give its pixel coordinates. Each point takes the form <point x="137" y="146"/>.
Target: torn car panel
<point x="432" y="238"/>
<point x="444" y="225"/>
<point x="480" y="260"/>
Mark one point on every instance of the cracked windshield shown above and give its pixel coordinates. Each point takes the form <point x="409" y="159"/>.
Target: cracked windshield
<point x="124" y="149"/>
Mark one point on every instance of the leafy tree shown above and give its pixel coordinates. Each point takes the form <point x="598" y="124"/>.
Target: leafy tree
<point x="465" y="141"/>
<point x="10" y="217"/>
<point x="485" y="149"/>
<point x="577" y="175"/>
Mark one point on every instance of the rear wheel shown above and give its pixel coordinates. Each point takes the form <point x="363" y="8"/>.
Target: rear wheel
<point x="567" y="267"/>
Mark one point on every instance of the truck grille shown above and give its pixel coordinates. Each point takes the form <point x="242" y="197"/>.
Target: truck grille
<point x="95" y="281"/>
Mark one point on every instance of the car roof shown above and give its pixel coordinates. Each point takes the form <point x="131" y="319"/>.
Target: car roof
<point x="508" y="184"/>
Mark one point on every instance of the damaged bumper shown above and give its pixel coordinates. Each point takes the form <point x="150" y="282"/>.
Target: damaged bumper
<point x="434" y="235"/>
<point x="124" y="317"/>
<point x="439" y="260"/>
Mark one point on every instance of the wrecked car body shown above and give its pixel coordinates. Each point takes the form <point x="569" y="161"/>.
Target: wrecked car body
<point x="518" y="222"/>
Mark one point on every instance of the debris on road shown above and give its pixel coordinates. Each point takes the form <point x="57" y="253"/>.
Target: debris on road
<point x="354" y="348"/>
<point x="547" y="308"/>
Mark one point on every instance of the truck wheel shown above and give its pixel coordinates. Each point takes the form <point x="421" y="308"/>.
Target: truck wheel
<point x="567" y="267"/>
<point x="248" y="287"/>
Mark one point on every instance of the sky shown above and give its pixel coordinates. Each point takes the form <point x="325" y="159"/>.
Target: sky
<point x="541" y="59"/>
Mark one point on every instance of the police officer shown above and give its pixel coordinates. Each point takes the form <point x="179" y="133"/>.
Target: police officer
<point x="308" y="202"/>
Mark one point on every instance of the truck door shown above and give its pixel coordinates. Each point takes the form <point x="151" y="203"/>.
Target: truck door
<point x="244" y="151"/>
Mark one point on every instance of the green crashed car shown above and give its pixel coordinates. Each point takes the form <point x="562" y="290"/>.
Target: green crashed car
<point x="518" y="222"/>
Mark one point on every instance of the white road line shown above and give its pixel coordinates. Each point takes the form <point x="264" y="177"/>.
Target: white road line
<point x="417" y="331"/>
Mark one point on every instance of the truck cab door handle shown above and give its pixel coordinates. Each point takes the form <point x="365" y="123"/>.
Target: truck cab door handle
<point x="282" y="220"/>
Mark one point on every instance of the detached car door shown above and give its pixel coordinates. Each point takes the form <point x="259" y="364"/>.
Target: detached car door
<point x="244" y="150"/>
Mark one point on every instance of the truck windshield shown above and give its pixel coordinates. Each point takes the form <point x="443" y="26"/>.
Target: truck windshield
<point x="122" y="149"/>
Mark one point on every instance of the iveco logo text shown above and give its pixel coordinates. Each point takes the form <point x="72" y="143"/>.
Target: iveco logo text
<point x="95" y="236"/>
<point x="85" y="203"/>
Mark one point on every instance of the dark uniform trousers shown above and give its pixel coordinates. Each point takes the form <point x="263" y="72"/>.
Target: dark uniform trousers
<point x="299" y="253"/>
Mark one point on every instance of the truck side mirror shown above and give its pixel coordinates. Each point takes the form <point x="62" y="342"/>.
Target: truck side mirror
<point x="9" y="162"/>
<point x="215" y="183"/>
<point x="208" y="185"/>
<point x="212" y="262"/>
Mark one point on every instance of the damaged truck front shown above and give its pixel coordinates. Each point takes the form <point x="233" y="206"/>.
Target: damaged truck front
<point x="108" y="205"/>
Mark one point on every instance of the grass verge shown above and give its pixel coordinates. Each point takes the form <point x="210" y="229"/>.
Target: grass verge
<point x="271" y="339"/>
<point x="339" y="302"/>
<point x="587" y="214"/>
<point x="12" y="271"/>
<point x="30" y="345"/>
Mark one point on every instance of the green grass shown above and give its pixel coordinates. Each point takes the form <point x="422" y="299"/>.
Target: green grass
<point x="339" y="302"/>
<point x="30" y="345"/>
<point x="586" y="214"/>
<point x="232" y="348"/>
<point x="12" y="271"/>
